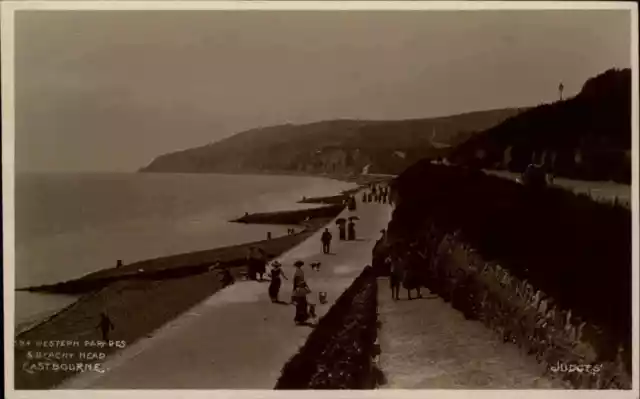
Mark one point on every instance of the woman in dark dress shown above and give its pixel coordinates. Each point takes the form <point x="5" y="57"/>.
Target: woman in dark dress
<point x="302" y="306"/>
<point x="352" y="203"/>
<point x="342" y="232"/>
<point x="396" y="274"/>
<point x="351" y="231"/>
<point x="276" y="282"/>
<point x="298" y="277"/>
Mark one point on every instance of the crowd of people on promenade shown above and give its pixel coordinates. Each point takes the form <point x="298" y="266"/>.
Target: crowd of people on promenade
<point x="304" y="310"/>
<point x="376" y="193"/>
<point x="403" y="266"/>
<point x="259" y="264"/>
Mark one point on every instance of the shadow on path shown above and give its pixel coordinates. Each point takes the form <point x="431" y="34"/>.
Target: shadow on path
<point x="306" y="324"/>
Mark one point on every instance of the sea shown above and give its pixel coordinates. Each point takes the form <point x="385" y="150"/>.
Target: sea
<point x="71" y="224"/>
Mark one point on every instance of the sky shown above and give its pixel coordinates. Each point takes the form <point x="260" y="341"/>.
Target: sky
<point x="111" y="90"/>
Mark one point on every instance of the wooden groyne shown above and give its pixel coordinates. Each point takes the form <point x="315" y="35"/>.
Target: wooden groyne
<point x="181" y="265"/>
<point x="291" y="217"/>
<point x="333" y="200"/>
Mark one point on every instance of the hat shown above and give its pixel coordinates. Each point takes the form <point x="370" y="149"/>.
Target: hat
<point x="276" y="264"/>
<point x="298" y="263"/>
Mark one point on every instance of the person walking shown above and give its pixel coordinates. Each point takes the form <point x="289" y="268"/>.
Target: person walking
<point x="326" y="241"/>
<point x="276" y="281"/>
<point x="261" y="263"/>
<point x="411" y="279"/>
<point x="298" y="277"/>
<point x="251" y="264"/>
<point x="342" y="231"/>
<point x="105" y="326"/>
<point x="302" y="305"/>
<point x="351" y="236"/>
<point x="226" y="277"/>
<point x="395" y="277"/>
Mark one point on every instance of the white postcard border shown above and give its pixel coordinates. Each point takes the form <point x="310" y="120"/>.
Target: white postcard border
<point x="8" y="141"/>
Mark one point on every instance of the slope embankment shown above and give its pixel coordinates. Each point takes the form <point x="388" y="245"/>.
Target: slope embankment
<point x="548" y="270"/>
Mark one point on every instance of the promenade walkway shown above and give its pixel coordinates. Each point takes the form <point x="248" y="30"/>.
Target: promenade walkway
<point x="238" y="339"/>
<point x="604" y="191"/>
<point x="426" y="344"/>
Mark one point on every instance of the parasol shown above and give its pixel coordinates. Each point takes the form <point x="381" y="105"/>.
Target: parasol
<point x="341" y="221"/>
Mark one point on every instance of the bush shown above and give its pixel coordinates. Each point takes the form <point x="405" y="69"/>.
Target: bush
<point x="338" y="353"/>
<point x="574" y="249"/>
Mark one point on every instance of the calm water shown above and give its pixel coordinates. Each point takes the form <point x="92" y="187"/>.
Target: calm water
<point x="68" y="225"/>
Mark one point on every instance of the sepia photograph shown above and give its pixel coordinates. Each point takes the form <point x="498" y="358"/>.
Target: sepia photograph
<point x="300" y="196"/>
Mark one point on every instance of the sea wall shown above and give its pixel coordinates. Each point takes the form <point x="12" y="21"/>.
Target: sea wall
<point x="547" y="270"/>
<point x="339" y="199"/>
<point x="339" y="353"/>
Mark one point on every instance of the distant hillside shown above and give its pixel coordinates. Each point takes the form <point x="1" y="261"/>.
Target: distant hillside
<point x="338" y="146"/>
<point x="585" y="137"/>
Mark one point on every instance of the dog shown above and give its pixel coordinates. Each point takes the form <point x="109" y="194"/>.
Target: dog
<point x="315" y="266"/>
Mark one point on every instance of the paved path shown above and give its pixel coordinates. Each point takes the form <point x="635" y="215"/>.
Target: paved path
<point x="604" y="191"/>
<point x="426" y="344"/>
<point x="238" y="339"/>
